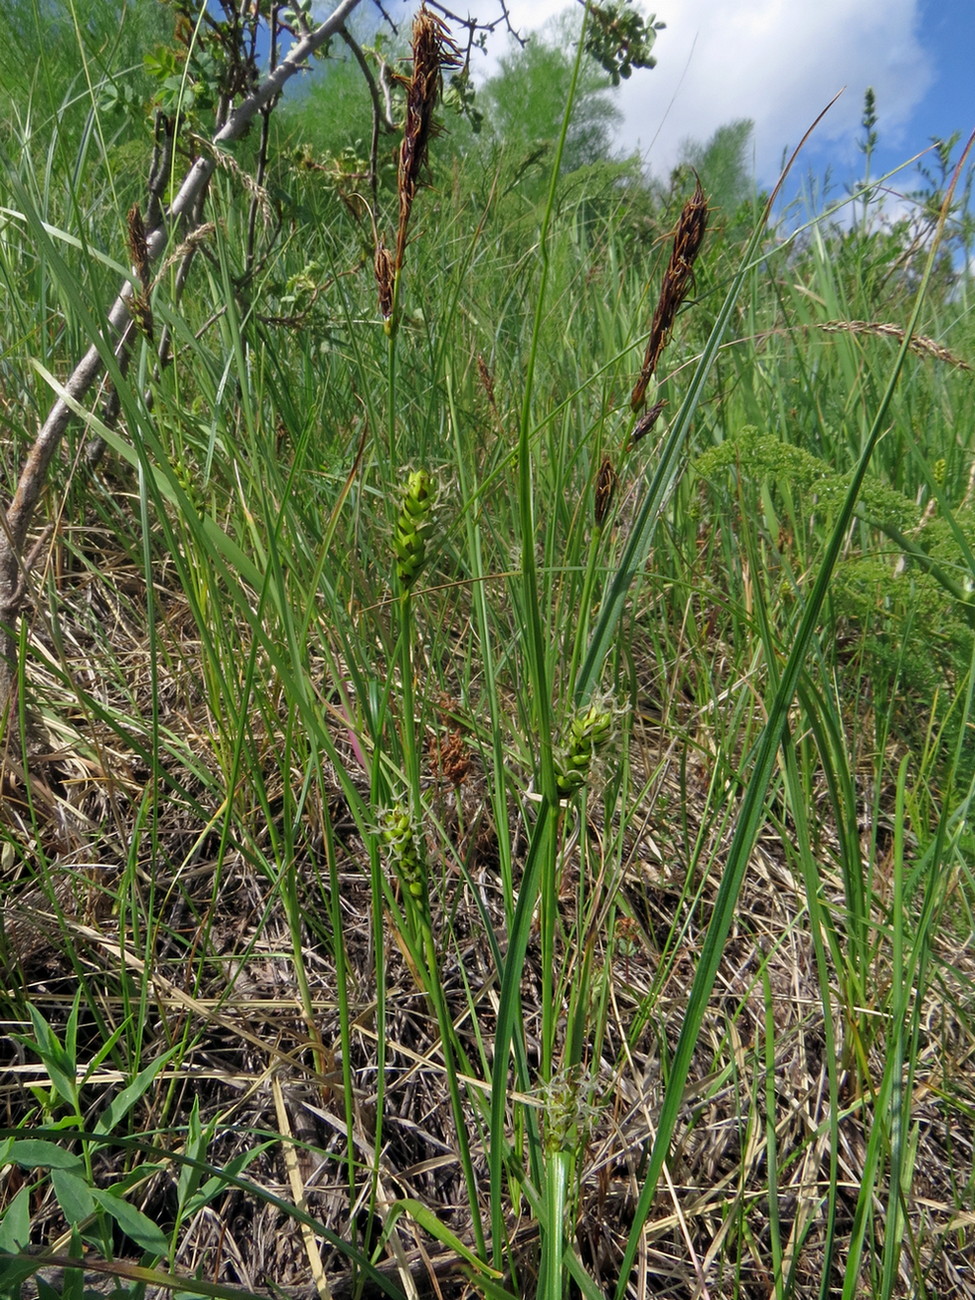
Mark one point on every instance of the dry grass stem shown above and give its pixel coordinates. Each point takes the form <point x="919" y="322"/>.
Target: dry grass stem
<point x="920" y="344"/>
<point x="249" y="1067"/>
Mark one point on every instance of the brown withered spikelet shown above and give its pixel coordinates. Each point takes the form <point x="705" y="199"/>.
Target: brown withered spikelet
<point x="646" y="422"/>
<point x="451" y="758"/>
<point x="677" y="282"/>
<point x="385" y="276"/>
<point x="606" y="481"/>
<point x="138" y="242"/>
<point x="487" y="380"/>
<point x="433" y="50"/>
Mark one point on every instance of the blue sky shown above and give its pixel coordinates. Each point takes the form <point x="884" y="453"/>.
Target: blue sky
<point x="948" y="31"/>
<point x="779" y="62"/>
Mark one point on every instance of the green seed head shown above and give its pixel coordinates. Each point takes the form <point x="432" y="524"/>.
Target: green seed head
<point x="403" y="848"/>
<point x="568" y="1109"/>
<point x="413" y="527"/>
<point x="589" y="732"/>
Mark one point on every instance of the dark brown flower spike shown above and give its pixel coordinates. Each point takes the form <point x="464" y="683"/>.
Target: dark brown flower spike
<point x="433" y="50"/>
<point x="606" y="481"/>
<point x="138" y="241"/>
<point x="677" y="283"/>
<point x="646" y="423"/>
<point x="487" y="380"/>
<point x="385" y="275"/>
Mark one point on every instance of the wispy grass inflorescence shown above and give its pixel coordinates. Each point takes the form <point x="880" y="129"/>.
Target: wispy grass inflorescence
<point x="678" y="278"/>
<point x="920" y="344"/>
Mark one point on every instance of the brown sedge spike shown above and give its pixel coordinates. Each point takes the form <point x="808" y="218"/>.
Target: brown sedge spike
<point x="678" y="278"/>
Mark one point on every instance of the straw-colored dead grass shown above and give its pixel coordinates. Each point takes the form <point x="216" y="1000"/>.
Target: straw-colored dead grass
<point x="219" y="977"/>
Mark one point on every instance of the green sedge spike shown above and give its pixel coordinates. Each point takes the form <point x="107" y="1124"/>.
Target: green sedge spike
<point x="413" y="527"/>
<point x="589" y="732"/>
<point x="404" y="853"/>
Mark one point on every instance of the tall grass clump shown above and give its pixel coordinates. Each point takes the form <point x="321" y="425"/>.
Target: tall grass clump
<point x="487" y="767"/>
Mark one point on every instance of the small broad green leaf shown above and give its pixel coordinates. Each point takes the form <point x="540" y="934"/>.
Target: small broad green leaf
<point x="73" y="1282"/>
<point x="15" y="1223"/>
<point x="190" y="1174"/>
<point x="120" y="1105"/>
<point x="74" y="1194"/>
<point x="71" y="1040"/>
<point x="137" y="1174"/>
<point x="104" y="1051"/>
<point x="15" y="1269"/>
<point x="133" y="1223"/>
<point x="35" y="1153"/>
<point x="67" y="1123"/>
<point x="213" y="1186"/>
<point x="493" y="1290"/>
<point x="47" y="1292"/>
<point x="60" y="1066"/>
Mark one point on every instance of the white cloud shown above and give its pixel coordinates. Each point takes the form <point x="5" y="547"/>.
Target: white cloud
<point x="778" y="62"/>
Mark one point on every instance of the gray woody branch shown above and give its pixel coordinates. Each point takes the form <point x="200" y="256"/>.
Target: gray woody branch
<point x="31" y="482"/>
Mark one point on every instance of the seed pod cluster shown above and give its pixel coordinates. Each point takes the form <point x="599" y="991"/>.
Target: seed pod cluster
<point x="405" y="856"/>
<point x="589" y="732"/>
<point x="413" y="527"/>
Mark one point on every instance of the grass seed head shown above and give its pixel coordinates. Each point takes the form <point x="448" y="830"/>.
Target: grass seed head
<point x="606" y="481"/>
<point x="678" y="279"/>
<point x="413" y="527"/>
<point x="433" y="50"/>
<point x="920" y="344"/>
<point x="403" y="850"/>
